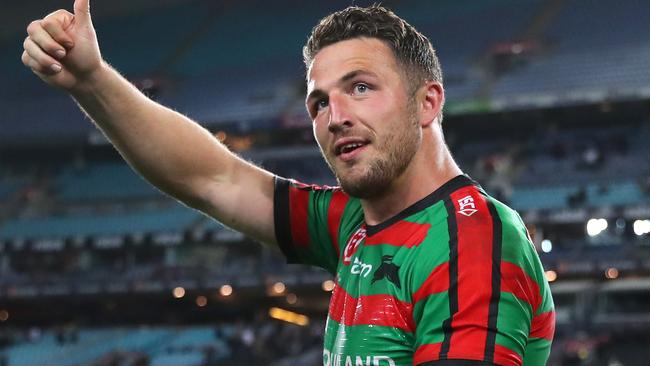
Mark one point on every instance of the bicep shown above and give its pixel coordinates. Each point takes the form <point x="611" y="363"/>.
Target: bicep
<point x="242" y="200"/>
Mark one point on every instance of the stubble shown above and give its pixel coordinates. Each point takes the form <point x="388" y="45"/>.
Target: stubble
<point x="394" y="154"/>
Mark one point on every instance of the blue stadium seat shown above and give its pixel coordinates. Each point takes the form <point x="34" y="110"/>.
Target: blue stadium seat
<point x="177" y="218"/>
<point x="103" y="182"/>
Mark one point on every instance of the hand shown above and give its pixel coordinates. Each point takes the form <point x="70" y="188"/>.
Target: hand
<point x="62" y="48"/>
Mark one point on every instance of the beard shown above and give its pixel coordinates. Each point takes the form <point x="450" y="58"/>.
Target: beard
<point x="394" y="154"/>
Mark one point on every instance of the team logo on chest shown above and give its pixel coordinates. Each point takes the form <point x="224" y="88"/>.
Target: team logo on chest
<point x="387" y="270"/>
<point x="353" y="244"/>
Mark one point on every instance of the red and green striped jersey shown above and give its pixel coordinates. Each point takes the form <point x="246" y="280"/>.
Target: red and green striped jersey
<point x="451" y="280"/>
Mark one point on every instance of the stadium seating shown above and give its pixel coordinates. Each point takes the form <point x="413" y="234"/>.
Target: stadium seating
<point x="191" y="359"/>
<point x="101" y="182"/>
<point x="10" y="186"/>
<point x="217" y="99"/>
<point x="175" y="219"/>
<point x="199" y="52"/>
<point x="141" y="45"/>
<point x="42" y="351"/>
<point x="589" y="16"/>
<point x="236" y="66"/>
<point x="216" y="79"/>
<point x="165" y="346"/>
<point x="579" y="71"/>
<point x="574" y="61"/>
<point x="541" y="198"/>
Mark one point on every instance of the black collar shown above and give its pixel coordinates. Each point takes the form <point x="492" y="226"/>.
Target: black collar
<point x="441" y="193"/>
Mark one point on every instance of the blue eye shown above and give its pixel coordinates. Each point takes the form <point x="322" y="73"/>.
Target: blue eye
<point x="361" y="88"/>
<point x="321" y="104"/>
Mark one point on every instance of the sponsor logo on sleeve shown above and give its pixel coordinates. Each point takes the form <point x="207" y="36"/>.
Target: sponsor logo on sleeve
<point x="467" y="206"/>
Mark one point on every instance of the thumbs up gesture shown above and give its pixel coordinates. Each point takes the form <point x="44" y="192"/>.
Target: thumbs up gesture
<point x="62" y="48"/>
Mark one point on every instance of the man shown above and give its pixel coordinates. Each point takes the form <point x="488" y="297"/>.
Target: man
<point x="429" y="269"/>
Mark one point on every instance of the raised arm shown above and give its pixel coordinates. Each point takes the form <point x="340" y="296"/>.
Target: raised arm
<point x="168" y="149"/>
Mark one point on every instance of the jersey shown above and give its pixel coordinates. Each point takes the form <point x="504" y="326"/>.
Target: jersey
<point x="453" y="279"/>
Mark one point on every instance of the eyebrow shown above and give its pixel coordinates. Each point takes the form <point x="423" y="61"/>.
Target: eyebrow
<point x="319" y="93"/>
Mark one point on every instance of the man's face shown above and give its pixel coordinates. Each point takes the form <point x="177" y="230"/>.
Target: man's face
<point x="365" y="122"/>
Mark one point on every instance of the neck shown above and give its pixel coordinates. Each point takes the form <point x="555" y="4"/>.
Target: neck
<point x="431" y="167"/>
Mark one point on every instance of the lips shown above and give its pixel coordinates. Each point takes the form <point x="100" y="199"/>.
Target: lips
<point x="348" y="145"/>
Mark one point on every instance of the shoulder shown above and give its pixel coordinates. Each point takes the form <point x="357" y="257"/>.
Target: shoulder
<point x="296" y="191"/>
<point x="520" y="261"/>
<point x="516" y="242"/>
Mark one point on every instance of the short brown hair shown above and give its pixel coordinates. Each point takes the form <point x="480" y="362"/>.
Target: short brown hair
<point x="412" y="50"/>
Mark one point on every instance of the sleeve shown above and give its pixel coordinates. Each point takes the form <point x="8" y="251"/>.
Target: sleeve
<point x="542" y="326"/>
<point x="478" y="303"/>
<point x="524" y="290"/>
<point x="307" y="220"/>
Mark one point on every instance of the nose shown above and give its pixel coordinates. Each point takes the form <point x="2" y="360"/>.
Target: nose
<point x="339" y="110"/>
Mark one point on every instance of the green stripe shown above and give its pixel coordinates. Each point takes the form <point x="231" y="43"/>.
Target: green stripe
<point x="537" y="352"/>
<point x="368" y="341"/>
<point x="517" y="248"/>
<point x="434" y="251"/>
<point x="513" y="322"/>
<point x="319" y="202"/>
<point x="547" y="300"/>
<point x="429" y="315"/>
<point x="320" y="252"/>
<point x="415" y="263"/>
<point x="361" y="284"/>
<point x="352" y="218"/>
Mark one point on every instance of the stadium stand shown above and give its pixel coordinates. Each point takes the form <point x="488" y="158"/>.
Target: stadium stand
<point x="151" y="221"/>
<point x="572" y="62"/>
<point x="547" y="109"/>
<point x="102" y="181"/>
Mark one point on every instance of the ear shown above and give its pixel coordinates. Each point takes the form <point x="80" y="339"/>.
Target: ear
<point x="431" y="98"/>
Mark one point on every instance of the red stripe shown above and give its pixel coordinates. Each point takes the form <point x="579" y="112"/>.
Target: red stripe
<point x="543" y="326"/>
<point x="519" y="283"/>
<point x="426" y="353"/>
<point x="384" y="310"/>
<point x="470" y="323"/>
<point x="438" y="281"/>
<point x="298" y="206"/>
<point x="402" y="233"/>
<point x="502" y="355"/>
<point x="334" y="213"/>
<point x="506" y="357"/>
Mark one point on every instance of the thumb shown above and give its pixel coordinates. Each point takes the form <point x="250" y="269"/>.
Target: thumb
<point x="82" y="10"/>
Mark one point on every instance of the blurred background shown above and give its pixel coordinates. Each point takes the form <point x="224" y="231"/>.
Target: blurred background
<point x="548" y="107"/>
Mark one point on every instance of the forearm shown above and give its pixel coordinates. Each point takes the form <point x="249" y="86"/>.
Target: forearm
<point x="167" y="148"/>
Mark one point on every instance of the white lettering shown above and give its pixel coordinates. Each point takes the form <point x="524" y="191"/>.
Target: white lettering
<point x="360" y="268"/>
<point x="348" y="361"/>
<point x="376" y="359"/>
<point x="465" y="202"/>
<point x="467" y="206"/>
<point x="359" y="361"/>
<point x="327" y="361"/>
<point x="335" y="359"/>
